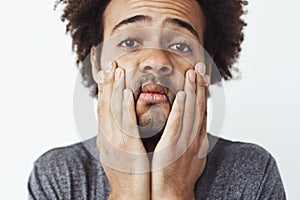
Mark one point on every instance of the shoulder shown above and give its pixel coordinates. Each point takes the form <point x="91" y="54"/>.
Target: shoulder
<point x="75" y="154"/>
<point x="71" y="172"/>
<point x="69" y="162"/>
<point x="240" y="154"/>
<point x="241" y="170"/>
<point x="236" y="160"/>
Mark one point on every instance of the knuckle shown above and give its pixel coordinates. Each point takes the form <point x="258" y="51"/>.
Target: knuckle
<point x="202" y="107"/>
<point x="107" y="86"/>
<point x="102" y="105"/>
<point x="121" y="145"/>
<point x="177" y="110"/>
<point x="181" y="146"/>
<point x="177" y="122"/>
<point x="100" y="89"/>
<point x="201" y="81"/>
<point x="201" y="91"/>
<point x="117" y="88"/>
<point x="125" y="106"/>
<point x="107" y="78"/>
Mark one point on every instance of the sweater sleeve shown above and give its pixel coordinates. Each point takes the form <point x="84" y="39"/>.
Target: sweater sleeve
<point x="58" y="174"/>
<point x="52" y="176"/>
<point x="68" y="173"/>
<point x="39" y="185"/>
<point x="271" y="186"/>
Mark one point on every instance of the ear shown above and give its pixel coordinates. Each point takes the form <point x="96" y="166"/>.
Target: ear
<point x="94" y="63"/>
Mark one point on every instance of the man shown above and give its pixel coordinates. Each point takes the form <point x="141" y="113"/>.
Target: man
<point x="151" y="84"/>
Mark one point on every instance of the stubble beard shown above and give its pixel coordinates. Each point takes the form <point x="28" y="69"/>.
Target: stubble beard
<point x="153" y="117"/>
<point x="151" y="127"/>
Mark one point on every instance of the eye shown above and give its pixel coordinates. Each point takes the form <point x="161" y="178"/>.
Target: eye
<point x="129" y="43"/>
<point x="180" y="47"/>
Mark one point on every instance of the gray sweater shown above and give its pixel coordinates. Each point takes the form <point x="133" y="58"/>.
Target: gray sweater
<point x="234" y="170"/>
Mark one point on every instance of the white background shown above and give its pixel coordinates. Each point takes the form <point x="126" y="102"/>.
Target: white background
<point x="38" y="74"/>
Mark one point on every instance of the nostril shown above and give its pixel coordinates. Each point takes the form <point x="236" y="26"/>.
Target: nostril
<point x="164" y="69"/>
<point x="159" y="69"/>
<point x="147" y="68"/>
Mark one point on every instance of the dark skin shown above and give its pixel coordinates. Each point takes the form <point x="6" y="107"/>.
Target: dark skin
<point x="223" y="33"/>
<point x="182" y="110"/>
<point x="88" y="25"/>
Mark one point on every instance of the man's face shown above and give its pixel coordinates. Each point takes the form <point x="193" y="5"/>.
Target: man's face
<point x="152" y="41"/>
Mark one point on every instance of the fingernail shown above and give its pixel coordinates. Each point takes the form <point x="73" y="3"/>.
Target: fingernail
<point x="109" y="67"/>
<point x="181" y="96"/>
<point x="192" y="76"/>
<point x="118" y="74"/>
<point x="200" y="68"/>
<point x="127" y="94"/>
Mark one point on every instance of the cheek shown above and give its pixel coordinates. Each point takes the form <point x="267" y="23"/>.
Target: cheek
<point x="131" y="62"/>
<point x="181" y="64"/>
<point x="130" y="65"/>
<point x="180" y="67"/>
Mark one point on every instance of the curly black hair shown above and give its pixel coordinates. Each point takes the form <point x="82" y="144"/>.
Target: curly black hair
<point x="222" y="38"/>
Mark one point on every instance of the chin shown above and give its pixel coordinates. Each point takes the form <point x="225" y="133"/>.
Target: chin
<point x="152" y="122"/>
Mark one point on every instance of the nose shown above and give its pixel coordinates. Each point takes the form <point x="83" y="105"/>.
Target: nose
<point x="156" y="61"/>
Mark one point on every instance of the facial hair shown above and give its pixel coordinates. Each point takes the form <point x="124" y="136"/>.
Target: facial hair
<point x="151" y="125"/>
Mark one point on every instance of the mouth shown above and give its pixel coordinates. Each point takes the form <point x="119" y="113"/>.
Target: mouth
<point x="152" y="93"/>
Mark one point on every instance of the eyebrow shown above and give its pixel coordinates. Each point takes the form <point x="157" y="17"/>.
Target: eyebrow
<point x="131" y="20"/>
<point x="183" y="24"/>
<point x="144" y="18"/>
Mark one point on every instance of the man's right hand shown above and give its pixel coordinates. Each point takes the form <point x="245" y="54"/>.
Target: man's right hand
<point x="122" y="153"/>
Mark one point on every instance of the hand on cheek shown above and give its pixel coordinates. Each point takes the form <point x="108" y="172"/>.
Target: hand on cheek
<point x="183" y="146"/>
<point x="122" y="153"/>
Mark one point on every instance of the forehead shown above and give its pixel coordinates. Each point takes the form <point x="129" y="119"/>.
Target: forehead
<point x="159" y="12"/>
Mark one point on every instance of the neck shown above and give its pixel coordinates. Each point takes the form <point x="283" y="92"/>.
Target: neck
<point x="151" y="142"/>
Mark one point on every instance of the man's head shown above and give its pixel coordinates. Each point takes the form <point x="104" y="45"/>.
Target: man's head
<point x="152" y="41"/>
<point x="223" y="33"/>
<point x="214" y="24"/>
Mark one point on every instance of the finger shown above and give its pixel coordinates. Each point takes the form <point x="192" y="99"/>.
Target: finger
<point x="130" y="136"/>
<point x="117" y="96"/>
<point x="189" y="109"/>
<point x="207" y="80"/>
<point x="129" y="118"/>
<point x="203" y="140"/>
<point x="105" y="87"/>
<point x="173" y="126"/>
<point x="95" y="64"/>
<point x="201" y="89"/>
<point x="201" y="99"/>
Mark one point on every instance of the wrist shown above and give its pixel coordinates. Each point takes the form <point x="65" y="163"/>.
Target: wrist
<point x="173" y="196"/>
<point x="127" y="195"/>
<point x="133" y="190"/>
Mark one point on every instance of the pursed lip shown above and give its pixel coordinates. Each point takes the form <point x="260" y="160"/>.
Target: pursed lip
<point x="153" y="93"/>
<point x="154" y="88"/>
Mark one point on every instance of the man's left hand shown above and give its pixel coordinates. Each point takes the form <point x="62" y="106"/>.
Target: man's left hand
<point x="180" y="156"/>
